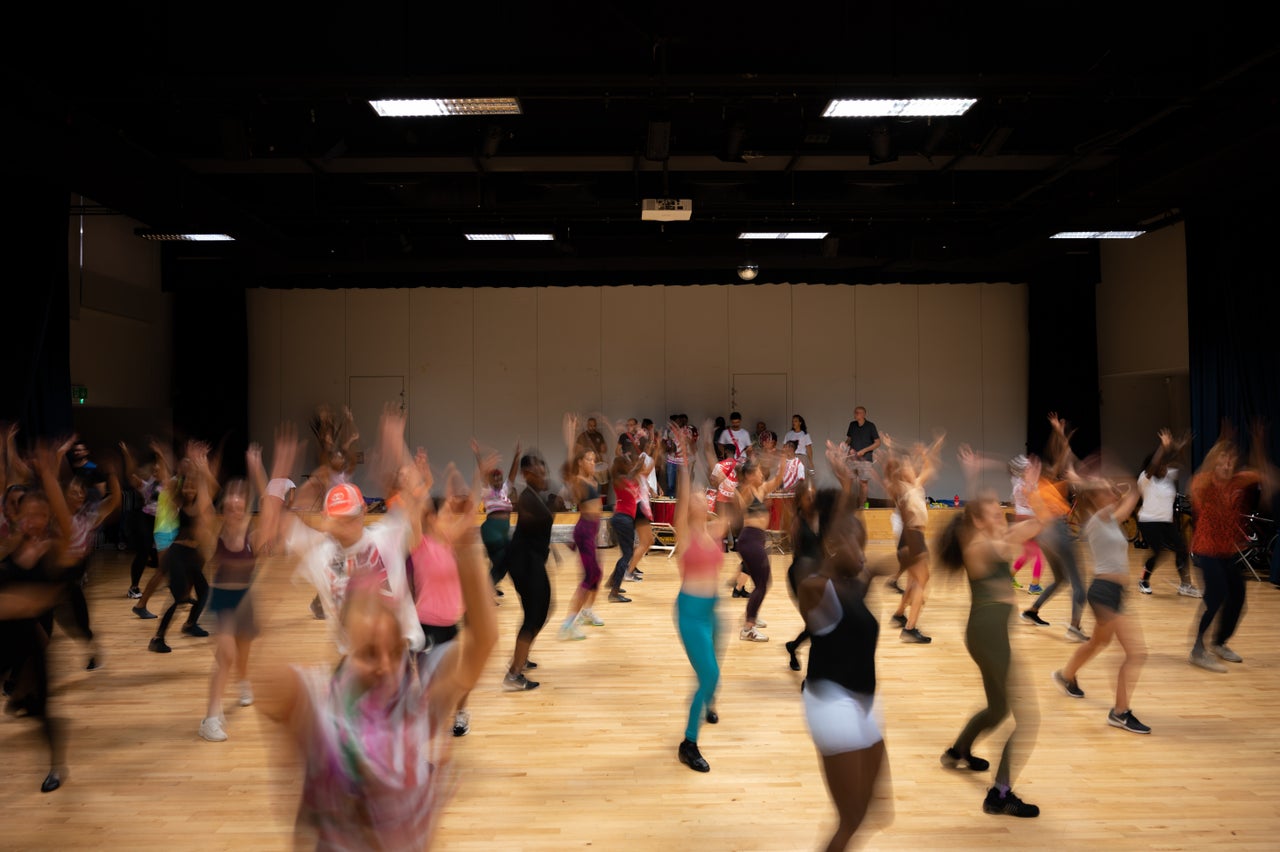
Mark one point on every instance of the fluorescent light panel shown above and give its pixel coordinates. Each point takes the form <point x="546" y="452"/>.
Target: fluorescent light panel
<point x="194" y="238"/>
<point x="1097" y="235"/>
<point x="782" y="235"/>
<point x="516" y="237"/>
<point x="903" y="107"/>
<point x="407" y="108"/>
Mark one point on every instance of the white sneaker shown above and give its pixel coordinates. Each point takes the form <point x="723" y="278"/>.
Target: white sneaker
<point x="760" y="622"/>
<point x="1226" y="653"/>
<point x="1205" y="660"/>
<point x="211" y="730"/>
<point x="462" y="723"/>
<point x="588" y="616"/>
<point x="1189" y="591"/>
<point x="246" y="693"/>
<point x="570" y="632"/>
<point x="750" y="634"/>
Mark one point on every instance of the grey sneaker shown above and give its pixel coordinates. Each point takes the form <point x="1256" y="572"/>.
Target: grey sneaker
<point x="1205" y="660"/>
<point x="1075" y="634"/>
<point x="1189" y="591"/>
<point x="1226" y="653"/>
<point x="1068" y="687"/>
<point x="1128" y="721"/>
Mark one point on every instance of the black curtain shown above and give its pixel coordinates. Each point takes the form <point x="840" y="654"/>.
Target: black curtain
<point x="211" y="372"/>
<point x="1233" y="303"/>
<point x="1062" y="326"/>
<point x="35" y="382"/>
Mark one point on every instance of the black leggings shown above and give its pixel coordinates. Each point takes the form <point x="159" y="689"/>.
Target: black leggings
<point x="987" y="638"/>
<point x="1161" y="536"/>
<point x="23" y="654"/>
<point x="755" y="564"/>
<point x="186" y="569"/>
<point x="1224" y="592"/>
<point x="144" y="547"/>
<point x="529" y="575"/>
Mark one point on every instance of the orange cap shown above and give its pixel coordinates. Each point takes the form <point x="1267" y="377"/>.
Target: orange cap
<point x="343" y="501"/>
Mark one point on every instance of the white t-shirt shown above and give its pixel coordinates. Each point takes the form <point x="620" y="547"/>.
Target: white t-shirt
<point x="802" y="439"/>
<point x="382" y="550"/>
<point x="1109" y="546"/>
<point x="1158" y="495"/>
<point x="739" y="439"/>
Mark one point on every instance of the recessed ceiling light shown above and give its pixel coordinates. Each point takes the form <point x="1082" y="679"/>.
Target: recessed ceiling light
<point x="782" y="235"/>
<point x="901" y="107"/>
<point x="192" y="238"/>
<point x="1097" y="235"/>
<point x="748" y="271"/>
<point x="408" y="108"/>
<point x="516" y="237"/>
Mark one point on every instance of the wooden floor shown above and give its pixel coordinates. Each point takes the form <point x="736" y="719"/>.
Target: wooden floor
<point x="589" y="759"/>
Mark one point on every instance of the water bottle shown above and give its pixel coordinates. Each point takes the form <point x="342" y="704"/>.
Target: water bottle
<point x="957" y="502"/>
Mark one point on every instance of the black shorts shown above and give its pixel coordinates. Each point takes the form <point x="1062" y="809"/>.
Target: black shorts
<point x="1105" y="597"/>
<point x="912" y="542"/>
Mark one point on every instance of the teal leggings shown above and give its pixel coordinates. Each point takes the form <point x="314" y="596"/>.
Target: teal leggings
<point x="696" y="620"/>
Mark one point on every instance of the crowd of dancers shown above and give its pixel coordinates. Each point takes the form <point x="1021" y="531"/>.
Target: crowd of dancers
<point x="409" y="602"/>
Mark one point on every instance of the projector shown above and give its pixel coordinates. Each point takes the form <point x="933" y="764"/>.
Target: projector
<point x="666" y="209"/>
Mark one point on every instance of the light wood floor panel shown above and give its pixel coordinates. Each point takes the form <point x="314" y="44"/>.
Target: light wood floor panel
<point x="588" y="760"/>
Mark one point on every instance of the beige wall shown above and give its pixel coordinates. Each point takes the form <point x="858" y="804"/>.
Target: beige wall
<point x="505" y="364"/>
<point x="1143" y="360"/>
<point x="120" y="331"/>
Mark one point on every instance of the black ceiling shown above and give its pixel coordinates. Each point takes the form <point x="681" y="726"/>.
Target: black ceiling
<point x="256" y="122"/>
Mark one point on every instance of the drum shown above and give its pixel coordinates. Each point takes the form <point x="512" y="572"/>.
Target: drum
<point x="664" y="509"/>
<point x="781" y="510"/>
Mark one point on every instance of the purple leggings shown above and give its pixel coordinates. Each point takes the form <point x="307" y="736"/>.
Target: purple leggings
<point x="755" y="562"/>
<point x="584" y="538"/>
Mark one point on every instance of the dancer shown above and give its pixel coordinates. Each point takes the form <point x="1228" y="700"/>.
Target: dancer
<point x="1158" y="484"/>
<point x="526" y="562"/>
<point x="495" y="532"/>
<point x="89" y="512"/>
<point x="1020" y="491"/>
<point x="626" y="489"/>
<point x="806" y="556"/>
<point x="1218" y="493"/>
<point x="905" y="475"/>
<point x="143" y="520"/>
<point x="580" y="478"/>
<point x="235" y="560"/>
<point x="1105" y="509"/>
<point x="648" y="482"/>
<point x="32" y="582"/>
<point x="184" y="559"/>
<point x="753" y="492"/>
<point x="165" y="529"/>
<point x="700" y="558"/>
<point x="981" y="542"/>
<point x="1050" y="503"/>
<point x="840" y="685"/>
<point x="377" y="768"/>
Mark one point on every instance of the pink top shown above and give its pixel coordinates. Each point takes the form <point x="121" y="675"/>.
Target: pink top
<point x="701" y="558"/>
<point x="497" y="499"/>
<point x="435" y="580"/>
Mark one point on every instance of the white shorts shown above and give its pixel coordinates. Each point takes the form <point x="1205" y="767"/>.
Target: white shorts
<point x="839" y="720"/>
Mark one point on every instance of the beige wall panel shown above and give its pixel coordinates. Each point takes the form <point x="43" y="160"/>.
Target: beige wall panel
<point x="696" y="353"/>
<point x="1005" y="350"/>
<point x="506" y="376"/>
<point x="312" y="358"/>
<point x="823" y="362"/>
<point x="569" y="362"/>
<point x="632" y="357"/>
<point x="378" y="331"/>
<point x="443" y="331"/>
<point x="951" y="387"/>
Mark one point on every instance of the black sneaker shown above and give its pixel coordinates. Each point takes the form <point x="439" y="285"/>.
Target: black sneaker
<point x="93" y="665"/>
<point x="914" y="637"/>
<point x="794" y="662"/>
<point x="1068" y="687"/>
<point x="713" y="718"/>
<point x="900" y="620"/>
<point x="462" y="723"/>
<point x="497" y="592"/>
<point x="1128" y="721"/>
<point x="1032" y="617"/>
<point x="529" y="664"/>
<point x="952" y="759"/>
<point x="157" y="645"/>
<point x="518" y="683"/>
<point x="692" y="758"/>
<point x="134" y="592"/>
<point x="1008" y="805"/>
<point x="143" y="612"/>
<point x="618" y="597"/>
<point x="194" y="630"/>
<point x="317" y="609"/>
<point x="1144" y="587"/>
<point x="892" y="585"/>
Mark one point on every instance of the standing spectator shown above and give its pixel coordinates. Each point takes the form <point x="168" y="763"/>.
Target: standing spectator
<point x="799" y="433"/>
<point x="862" y="438"/>
<point x="737" y="437"/>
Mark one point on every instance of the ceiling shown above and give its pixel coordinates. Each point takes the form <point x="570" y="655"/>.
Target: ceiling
<point x="257" y="124"/>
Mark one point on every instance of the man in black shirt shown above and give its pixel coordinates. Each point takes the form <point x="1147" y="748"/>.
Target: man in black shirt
<point x="862" y="439"/>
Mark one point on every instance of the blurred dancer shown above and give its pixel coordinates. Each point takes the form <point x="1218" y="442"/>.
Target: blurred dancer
<point x="1020" y="491"/>
<point x="839" y="688"/>
<point x="700" y="559"/>
<point x="905" y="475"/>
<point x="370" y="732"/>
<point x="981" y="542"/>
<point x="496" y="498"/>
<point x="580" y="478"/>
<point x="806" y="556"/>
<point x="753" y="494"/>
<point x="1105" y="509"/>
<point x="526" y="561"/>
<point x="1158" y="484"/>
<point x="1218" y="494"/>
<point x="184" y="559"/>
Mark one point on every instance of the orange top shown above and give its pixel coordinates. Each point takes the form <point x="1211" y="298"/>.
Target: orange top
<point x="1051" y="498"/>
